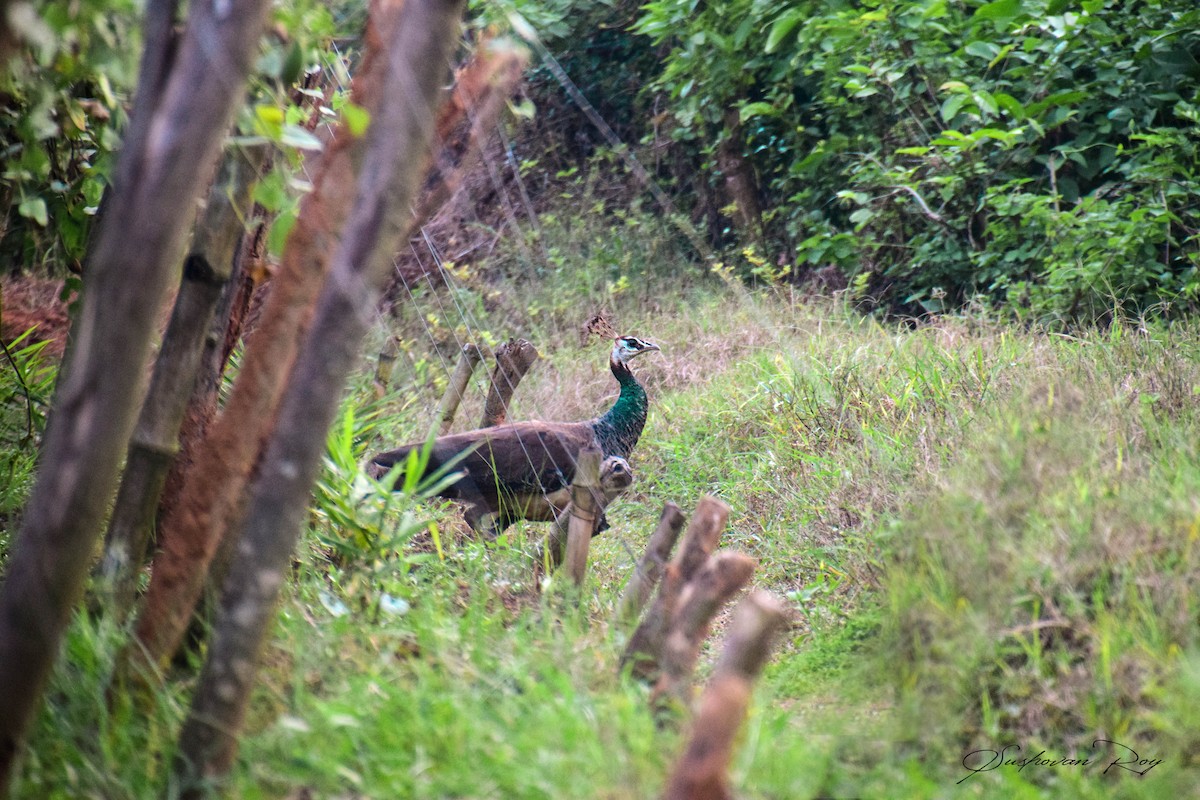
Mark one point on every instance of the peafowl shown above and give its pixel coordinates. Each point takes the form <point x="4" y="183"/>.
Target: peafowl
<point x="521" y="470"/>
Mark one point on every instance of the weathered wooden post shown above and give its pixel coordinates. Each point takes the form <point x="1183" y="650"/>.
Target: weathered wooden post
<point x="714" y="585"/>
<point x="468" y="359"/>
<point x="385" y="364"/>
<point x="644" y="652"/>
<point x="702" y="771"/>
<point x="584" y="516"/>
<point x="513" y="360"/>
<point x="615" y="478"/>
<point x="653" y="561"/>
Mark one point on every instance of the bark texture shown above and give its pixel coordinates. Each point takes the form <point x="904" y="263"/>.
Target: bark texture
<point x="206" y="272"/>
<point x="411" y="47"/>
<point x="186" y="98"/>
<point x="212" y="495"/>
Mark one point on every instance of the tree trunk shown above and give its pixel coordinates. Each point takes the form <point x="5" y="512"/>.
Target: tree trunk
<point x="175" y="135"/>
<point x="418" y="39"/>
<point x="210" y="501"/>
<point x="155" y="441"/>
<point x="741" y="186"/>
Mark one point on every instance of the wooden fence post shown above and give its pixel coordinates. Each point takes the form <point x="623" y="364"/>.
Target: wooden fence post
<point x="702" y="771"/>
<point x="650" y="568"/>
<point x="644" y="651"/>
<point x="714" y="585"/>
<point x="584" y="515"/>
<point x="386" y="364"/>
<point x="468" y="359"/>
<point x="615" y="478"/>
<point x="513" y="360"/>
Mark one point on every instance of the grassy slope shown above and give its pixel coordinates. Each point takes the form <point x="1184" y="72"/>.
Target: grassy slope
<point x="988" y="536"/>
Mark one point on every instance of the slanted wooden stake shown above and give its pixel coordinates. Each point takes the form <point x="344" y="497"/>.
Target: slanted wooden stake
<point x="719" y="580"/>
<point x="702" y="772"/>
<point x="468" y="359"/>
<point x="584" y="514"/>
<point x="650" y="568"/>
<point x="513" y="360"/>
<point x="643" y="653"/>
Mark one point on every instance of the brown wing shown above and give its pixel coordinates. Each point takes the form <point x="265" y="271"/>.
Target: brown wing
<point x="507" y="459"/>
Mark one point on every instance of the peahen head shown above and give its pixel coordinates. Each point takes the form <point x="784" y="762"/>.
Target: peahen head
<point x="627" y="348"/>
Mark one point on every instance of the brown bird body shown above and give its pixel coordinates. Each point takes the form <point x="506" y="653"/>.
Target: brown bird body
<point x="520" y="470"/>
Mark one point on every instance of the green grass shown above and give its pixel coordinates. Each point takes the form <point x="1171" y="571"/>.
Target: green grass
<point x="988" y="535"/>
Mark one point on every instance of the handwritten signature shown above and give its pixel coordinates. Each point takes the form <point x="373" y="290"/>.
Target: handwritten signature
<point x="1127" y="759"/>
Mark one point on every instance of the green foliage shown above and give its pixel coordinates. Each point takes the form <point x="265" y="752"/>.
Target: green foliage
<point x="1039" y="153"/>
<point x="62" y="109"/>
<point x="26" y="384"/>
<point x="366" y="529"/>
<point x="986" y="532"/>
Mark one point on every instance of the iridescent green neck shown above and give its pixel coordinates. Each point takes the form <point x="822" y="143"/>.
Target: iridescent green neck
<point x="618" y="430"/>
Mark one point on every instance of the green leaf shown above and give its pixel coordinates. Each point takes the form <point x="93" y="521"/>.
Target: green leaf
<point x="357" y="118"/>
<point x="758" y="110"/>
<point x="280" y="228"/>
<point x="1010" y="104"/>
<point x="268" y="121"/>
<point x="299" y="138"/>
<point x="1000" y="11"/>
<point x="34" y="208"/>
<point x="952" y="105"/>
<point x="982" y="49"/>
<point x="782" y="27"/>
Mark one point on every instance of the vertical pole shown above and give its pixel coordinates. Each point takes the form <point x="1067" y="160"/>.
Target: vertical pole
<point x="583" y="512"/>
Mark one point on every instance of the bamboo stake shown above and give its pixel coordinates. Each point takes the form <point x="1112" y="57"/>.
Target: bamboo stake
<point x="468" y="359"/>
<point x="385" y="364"/>
<point x="642" y="654"/>
<point x="650" y="568"/>
<point x="702" y="771"/>
<point x="513" y="360"/>
<point x="583" y="512"/>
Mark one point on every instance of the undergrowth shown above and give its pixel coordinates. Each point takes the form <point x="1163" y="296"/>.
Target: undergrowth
<point x="987" y="536"/>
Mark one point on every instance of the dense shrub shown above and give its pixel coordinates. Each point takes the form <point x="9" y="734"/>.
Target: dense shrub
<point x="1039" y="152"/>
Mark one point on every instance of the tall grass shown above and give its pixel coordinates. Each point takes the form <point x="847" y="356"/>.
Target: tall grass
<point x="987" y="534"/>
